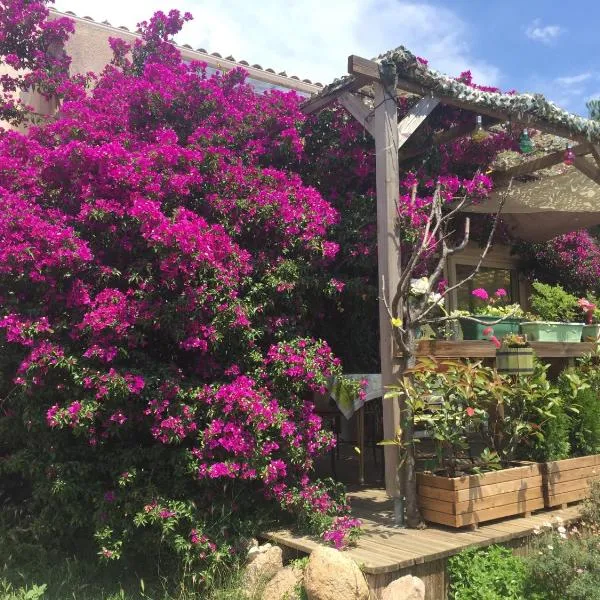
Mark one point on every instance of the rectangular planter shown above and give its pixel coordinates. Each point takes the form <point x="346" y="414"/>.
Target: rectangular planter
<point x="546" y="331"/>
<point x="591" y="333"/>
<point x="568" y="480"/>
<point x="474" y="331"/>
<point x="474" y="499"/>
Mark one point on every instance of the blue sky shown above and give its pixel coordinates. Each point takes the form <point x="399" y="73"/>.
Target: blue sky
<point x="542" y="46"/>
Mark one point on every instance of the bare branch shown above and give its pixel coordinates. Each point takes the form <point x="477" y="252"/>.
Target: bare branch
<point x="486" y="248"/>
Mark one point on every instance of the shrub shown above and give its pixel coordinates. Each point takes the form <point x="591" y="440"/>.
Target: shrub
<point x="564" y="568"/>
<point x="580" y="388"/>
<point x="553" y="303"/>
<point x="590" y="510"/>
<point x="157" y="372"/>
<point x="492" y="573"/>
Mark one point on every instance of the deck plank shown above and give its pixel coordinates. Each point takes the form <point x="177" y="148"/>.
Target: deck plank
<point x="383" y="548"/>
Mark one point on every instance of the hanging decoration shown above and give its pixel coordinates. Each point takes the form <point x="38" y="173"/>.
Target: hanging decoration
<point x="526" y="143"/>
<point x="569" y="157"/>
<point x="479" y="134"/>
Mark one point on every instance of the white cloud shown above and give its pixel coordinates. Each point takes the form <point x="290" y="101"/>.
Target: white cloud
<point x="543" y="33"/>
<point x="310" y="38"/>
<point x="570" y="80"/>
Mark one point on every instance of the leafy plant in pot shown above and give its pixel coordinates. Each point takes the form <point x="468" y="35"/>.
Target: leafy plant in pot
<point x="515" y="355"/>
<point x="568" y="474"/>
<point x="554" y="314"/>
<point x="591" y="329"/>
<point x="491" y="309"/>
<point x="460" y="405"/>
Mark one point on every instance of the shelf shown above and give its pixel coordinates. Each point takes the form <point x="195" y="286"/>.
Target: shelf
<point x="485" y="349"/>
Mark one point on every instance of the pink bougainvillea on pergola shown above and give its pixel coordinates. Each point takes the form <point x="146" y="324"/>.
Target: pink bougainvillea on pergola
<point x="398" y="83"/>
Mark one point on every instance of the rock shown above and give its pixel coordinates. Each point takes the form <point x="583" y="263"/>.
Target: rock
<point x="255" y="550"/>
<point x="405" y="588"/>
<point x="262" y="566"/>
<point x="283" y="586"/>
<point x="331" y="575"/>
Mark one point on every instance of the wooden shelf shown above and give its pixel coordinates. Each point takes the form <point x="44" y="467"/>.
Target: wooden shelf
<point x="485" y="349"/>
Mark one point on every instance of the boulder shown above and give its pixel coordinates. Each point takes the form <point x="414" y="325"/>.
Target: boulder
<point x="262" y="566"/>
<point x="405" y="588"/>
<point x="283" y="585"/>
<point x="331" y="575"/>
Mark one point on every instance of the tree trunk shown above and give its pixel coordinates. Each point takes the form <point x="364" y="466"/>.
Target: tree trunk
<point x="408" y="475"/>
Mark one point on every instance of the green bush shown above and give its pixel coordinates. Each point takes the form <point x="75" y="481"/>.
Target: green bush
<point x="553" y="303"/>
<point x="580" y="389"/>
<point x="564" y="569"/>
<point x="10" y="592"/>
<point x="590" y="511"/>
<point x="554" y="442"/>
<point x="492" y="573"/>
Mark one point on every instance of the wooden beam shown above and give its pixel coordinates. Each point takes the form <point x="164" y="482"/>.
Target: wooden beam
<point x="443" y="137"/>
<point x="363" y="67"/>
<point x="369" y="69"/>
<point x="355" y="106"/>
<point x="543" y="162"/>
<point x="388" y="257"/>
<point x="321" y="101"/>
<point x="587" y="168"/>
<point x="414" y="118"/>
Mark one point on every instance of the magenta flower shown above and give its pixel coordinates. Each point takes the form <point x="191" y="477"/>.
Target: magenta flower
<point x="501" y="293"/>
<point x="480" y="293"/>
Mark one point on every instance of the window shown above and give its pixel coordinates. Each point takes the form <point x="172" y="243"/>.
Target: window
<point x="488" y="278"/>
<point x="499" y="270"/>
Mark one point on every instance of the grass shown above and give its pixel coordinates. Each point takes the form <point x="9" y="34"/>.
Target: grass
<point x="70" y="578"/>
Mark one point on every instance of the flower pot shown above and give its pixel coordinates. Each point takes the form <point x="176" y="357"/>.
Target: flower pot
<point x="514" y="361"/>
<point x="473" y="499"/>
<point x="474" y="331"/>
<point x="568" y="480"/>
<point x="591" y="333"/>
<point x="549" y="331"/>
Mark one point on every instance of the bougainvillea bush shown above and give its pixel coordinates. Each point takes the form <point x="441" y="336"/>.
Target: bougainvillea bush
<point x="340" y="163"/>
<point x="157" y="377"/>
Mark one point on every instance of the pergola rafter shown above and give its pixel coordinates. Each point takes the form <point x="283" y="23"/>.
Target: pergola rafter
<point x="399" y="73"/>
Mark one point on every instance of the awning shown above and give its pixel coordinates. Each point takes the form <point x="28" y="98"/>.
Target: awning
<point x="544" y="205"/>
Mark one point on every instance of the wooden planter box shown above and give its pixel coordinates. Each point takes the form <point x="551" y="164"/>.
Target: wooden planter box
<point x="473" y="499"/>
<point x="514" y="361"/>
<point x="568" y="480"/>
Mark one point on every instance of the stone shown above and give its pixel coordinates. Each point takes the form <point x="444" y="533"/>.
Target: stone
<point x="255" y="550"/>
<point x="262" y="566"/>
<point x="284" y="584"/>
<point x="331" y="575"/>
<point x="405" y="588"/>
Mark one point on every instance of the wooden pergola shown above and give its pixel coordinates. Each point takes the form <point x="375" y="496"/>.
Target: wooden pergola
<point x="369" y="93"/>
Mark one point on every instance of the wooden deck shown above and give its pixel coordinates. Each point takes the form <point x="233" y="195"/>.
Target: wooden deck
<point x="385" y="552"/>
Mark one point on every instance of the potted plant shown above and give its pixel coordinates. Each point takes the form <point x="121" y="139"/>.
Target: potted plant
<point x="591" y="329"/>
<point x="491" y="309"/>
<point x="575" y="433"/>
<point x="457" y="403"/>
<point x="554" y="315"/>
<point x="515" y="355"/>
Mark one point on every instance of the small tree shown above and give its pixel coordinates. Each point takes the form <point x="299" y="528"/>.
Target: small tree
<point x="413" y="307"/>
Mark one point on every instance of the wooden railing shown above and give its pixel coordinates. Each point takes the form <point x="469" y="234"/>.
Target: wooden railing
<point x="485" y="349"/>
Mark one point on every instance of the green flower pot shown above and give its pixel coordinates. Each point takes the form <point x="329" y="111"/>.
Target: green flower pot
<point x="548" y="331"/>
<point x="474" y="331"/>
<point x="591" y="333"/>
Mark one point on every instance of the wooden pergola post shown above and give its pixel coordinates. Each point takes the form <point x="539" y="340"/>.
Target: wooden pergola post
<point x="385" y="129"/>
